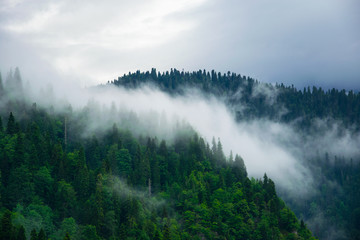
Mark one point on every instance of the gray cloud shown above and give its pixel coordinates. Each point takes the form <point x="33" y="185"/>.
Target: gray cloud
<point x="297" y="42"/>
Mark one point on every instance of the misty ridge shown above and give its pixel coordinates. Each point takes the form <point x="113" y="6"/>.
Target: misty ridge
<point x="250" y="120"/>
<point x="266" y="143"/>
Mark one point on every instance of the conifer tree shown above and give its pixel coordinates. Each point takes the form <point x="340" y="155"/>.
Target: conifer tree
<point x="2" y="91"/>
<point x="99" y="204"/>
<point x="11" y="125"/>
<point x="82" y="176"/>
<point x="6" y="232"/>
<point x="166" y="231"/>
<point x="19" y="154"/>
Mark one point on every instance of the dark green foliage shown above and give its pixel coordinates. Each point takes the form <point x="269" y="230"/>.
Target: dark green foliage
<point x="20" y="188"/>
<point x="166" y="232"/>
<point x="117" y="186"/>
<point x="67" y="237"/>
<point x="89" y="233"/>
<point x="11" y="125"/>
<point x="33" y="235"/>
<point x="336" y="201"/>
<point x="7" y="231"/>
<point x="41" y="235"/>
<point x="21" y="234"/>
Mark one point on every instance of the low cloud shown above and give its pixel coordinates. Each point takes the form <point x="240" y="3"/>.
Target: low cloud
<point x="266" y="146"/>
<point x="271" y="147"/>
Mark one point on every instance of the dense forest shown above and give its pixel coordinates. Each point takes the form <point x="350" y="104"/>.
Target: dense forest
<point x="57" y="183"/>
<point x="334" y="204"/>
<point x="261" y="100"/>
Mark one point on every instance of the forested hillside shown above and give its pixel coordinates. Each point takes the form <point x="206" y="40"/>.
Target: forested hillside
<point x="257" y="100"/>
<point x="58" y="183"/>
<point x="333" y="209"/>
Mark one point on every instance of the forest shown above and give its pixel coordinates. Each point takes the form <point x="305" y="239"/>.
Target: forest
<point x="57" y="183"/>
<point x="262" y="100"/>
<point x="334" y="203"/>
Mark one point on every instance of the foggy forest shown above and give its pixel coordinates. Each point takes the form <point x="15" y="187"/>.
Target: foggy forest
<point x="179" y="120"/>
<point x="178" y="155"/>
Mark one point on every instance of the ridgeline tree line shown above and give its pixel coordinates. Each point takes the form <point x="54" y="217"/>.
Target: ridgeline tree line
<point x="262" y="100"/>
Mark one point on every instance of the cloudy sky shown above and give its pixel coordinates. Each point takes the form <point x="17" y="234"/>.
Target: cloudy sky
<point x="300" y="42"/>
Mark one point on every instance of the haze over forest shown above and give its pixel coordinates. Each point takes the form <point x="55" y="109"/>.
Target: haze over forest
<point x="158" y="116"/>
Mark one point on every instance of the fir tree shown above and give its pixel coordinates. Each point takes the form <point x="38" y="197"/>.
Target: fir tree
<point x="11" y="125"/>
<point x="6" y="232"/>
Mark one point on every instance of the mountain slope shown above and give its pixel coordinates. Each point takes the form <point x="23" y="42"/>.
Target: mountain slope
<point x="57" y="182"/>
<point x="326" y="133"/>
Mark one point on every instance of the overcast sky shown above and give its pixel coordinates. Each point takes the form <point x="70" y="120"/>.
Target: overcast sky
<point x="300" y="42"/>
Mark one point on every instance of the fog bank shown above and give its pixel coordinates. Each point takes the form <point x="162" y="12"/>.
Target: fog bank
<point x="266" y="146"/>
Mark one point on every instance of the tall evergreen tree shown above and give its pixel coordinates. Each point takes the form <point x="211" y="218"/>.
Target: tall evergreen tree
<point x="11" y="125"/>
<point x="1" y="125"/>
<point x="19" y="155"/>
<point x="6" y="232"/>
<point x="166" y="232"/>
<point x="2" y="90"/>
<point x="82" y="176"/>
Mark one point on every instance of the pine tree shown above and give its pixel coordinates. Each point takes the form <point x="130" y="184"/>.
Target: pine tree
<point x="2" y="91"/>
<point x="166" y="232"/>
<point x="239" y="168"/>
<point x="145" y="169"/>
<point x="1" y="125"/>
<point x="17" y="80"/>
<point x="6" y="226"/>
<point x="99" y="204"/>
<point x="219" y="153"/>
<point x="82" y="176"/>
<point x="19" y="150"/>
<point x="125" y="163"/>
<point x="231" y="158"/>
<point x="214" y="147"/>
<point x="136" y="174"/>
<point x="11" y="125"/>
